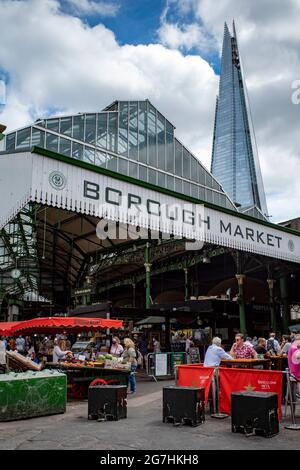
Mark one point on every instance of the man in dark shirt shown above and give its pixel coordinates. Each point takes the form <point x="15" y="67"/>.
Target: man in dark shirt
<point x="261" y="347"/>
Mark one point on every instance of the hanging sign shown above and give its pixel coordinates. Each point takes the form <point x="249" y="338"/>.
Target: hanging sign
<point x="67" y="186"/>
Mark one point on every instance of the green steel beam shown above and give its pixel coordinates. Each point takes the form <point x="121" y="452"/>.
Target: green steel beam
<point x="167" y="268"/>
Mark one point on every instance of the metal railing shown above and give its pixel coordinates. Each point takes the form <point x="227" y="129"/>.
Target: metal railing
<point x="162" y="365"/>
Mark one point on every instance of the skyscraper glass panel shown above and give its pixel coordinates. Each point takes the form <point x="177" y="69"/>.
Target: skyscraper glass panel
<point x="235" y="162"/>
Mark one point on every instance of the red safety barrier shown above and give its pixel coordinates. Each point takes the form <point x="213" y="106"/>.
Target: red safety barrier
<point x="254" y="380"/>
<point x="195" y="375"/>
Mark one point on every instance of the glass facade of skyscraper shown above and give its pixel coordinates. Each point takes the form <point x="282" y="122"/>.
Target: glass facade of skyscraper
<point x="234" y="160"/>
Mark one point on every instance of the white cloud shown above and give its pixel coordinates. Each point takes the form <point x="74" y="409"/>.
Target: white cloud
<point x="91" y="7"/>
<point x="269" y="37"/>
<point x="60" y="63"/>
<point x="56" y="61"/>
<point x="186" y="36"/>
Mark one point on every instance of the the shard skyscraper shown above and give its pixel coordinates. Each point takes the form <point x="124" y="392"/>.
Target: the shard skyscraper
<point x="235" y="161"/>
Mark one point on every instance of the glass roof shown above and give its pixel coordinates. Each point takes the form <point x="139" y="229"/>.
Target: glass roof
<point x="128" y="137"/>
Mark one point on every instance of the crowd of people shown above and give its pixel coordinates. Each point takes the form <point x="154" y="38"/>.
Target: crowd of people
<point x="256" y="348"/>
<point x="58" y="348"/>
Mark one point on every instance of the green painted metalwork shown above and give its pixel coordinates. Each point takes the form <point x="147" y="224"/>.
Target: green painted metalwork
<point x="30" y="394"/>
<point x="189" y="261"/>
<point x="285" y="303"/>
<point x="148" y="275"/>
<point x="18" y="249"/>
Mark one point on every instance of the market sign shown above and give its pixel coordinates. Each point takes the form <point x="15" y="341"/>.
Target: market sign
<point x="28" y="177"/>
<point x="83" y="291"/>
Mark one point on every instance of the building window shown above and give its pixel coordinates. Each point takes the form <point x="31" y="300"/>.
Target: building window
<point x="194" y="191"/>
<point x="11" y="141"/>
<point x="112" y="163"/>
<point x="143" y="173"/>
<point x="194" y="169"/>
<point x="133" y="130"/>
<point x="169" y="147"/>
<point x="161" y="141"/>
<point x="123" y="166"/>
<point x="51" y="142"/>
<point x="37" y="137"/>
<point x="65" y="146"/>
<point x="78" y="127"/>
<point x="178" y="158"/>
<point x="113" y="132"/>
<point x="66" y="126"/>
<point x="143" y="131"/>
<point x="186" y="188"/>
<point x="152" y="176"/>
<point x="161" y="179"/>
<point x="23" y="138"/>
<point x="52" y="125"/>
<point x="186" y="164"/>
<point x="133" y="170"/>
<point x="178" y="185"/>
<point x="201" y="193"/>
<point x="89" y="155"/>
<point x="100" y="158"/>
<point x="170" y="182"/>
<point x="208" y="195"/>
<point x="123" y="129"/>
<point x="152" y="160"/>
<point x="90" y="129"/>
<point x="102" y="132"/>
<point x="77" y="151"/>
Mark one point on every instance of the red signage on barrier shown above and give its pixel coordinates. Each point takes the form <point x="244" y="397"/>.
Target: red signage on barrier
<point x="251" y="380"/>
<point x="195" y="376"/>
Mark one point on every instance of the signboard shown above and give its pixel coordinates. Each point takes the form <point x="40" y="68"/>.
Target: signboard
<point x="194" y="354"/>
<point x="177" y="358"/>
<point x="84" y="291"/>
<point x="71" y="187"/>
<point x="161" y="364"/>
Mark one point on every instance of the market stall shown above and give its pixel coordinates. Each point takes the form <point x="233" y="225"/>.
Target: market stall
<point x="57" y="324"/>
<point x="80" y="372"/>
<point x="81" y="375"/>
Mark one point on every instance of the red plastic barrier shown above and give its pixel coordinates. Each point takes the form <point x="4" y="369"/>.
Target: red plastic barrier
<point x="195" y="375"/>
<point x="241" y="380"/>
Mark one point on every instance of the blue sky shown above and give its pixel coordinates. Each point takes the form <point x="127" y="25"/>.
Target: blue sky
<point x="138" y="22"/>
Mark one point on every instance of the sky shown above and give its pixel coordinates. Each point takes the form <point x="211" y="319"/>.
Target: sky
<point x="69" y="56"/>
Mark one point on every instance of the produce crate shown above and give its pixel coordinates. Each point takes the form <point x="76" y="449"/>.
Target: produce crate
<point x="30" y="394"/>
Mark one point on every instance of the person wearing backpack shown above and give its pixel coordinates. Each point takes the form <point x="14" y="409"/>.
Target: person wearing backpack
<point x="272" y="344"/>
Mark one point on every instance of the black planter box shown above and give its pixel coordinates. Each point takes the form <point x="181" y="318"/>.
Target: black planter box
<point x="183" y="405"/>
<point x="255" y="413"/>
<point x="107" y="402"/>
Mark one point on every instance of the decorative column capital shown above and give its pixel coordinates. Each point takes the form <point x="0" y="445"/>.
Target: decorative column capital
<point x="186" y="270"/>
<point x="271" y="283"/>
<point x="240" y="279"/>
<point x="148" y="267"/>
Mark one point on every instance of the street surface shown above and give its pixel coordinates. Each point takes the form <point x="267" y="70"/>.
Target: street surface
<point x="143" y="429"/>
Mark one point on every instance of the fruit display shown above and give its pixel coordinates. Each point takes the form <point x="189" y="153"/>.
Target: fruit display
<point x="106" y="361"/>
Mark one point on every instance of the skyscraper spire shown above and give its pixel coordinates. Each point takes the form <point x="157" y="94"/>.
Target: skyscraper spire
<point x="234" y="158"/>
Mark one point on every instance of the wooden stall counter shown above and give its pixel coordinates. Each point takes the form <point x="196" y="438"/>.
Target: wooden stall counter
<point x="246" y="363"/>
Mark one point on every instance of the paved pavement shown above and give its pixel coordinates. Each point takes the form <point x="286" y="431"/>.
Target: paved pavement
<point x="143" y="429"/>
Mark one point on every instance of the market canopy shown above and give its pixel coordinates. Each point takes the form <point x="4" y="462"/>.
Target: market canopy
<point x="58" y="324"/>
<point x="6" y="328"/>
